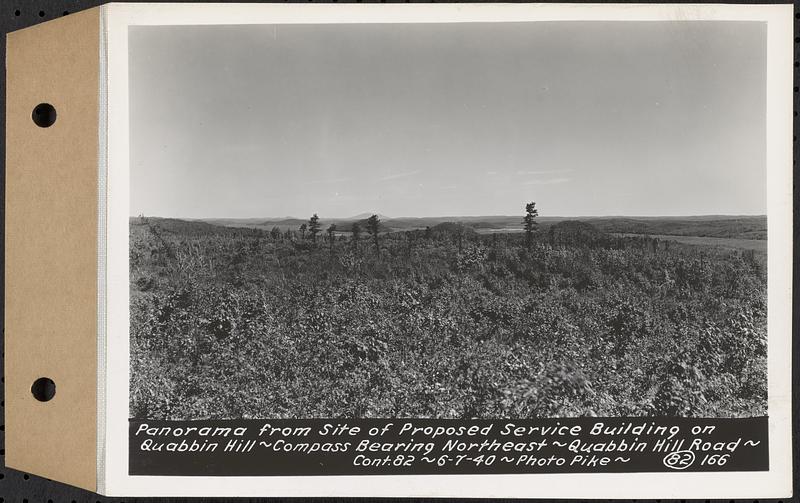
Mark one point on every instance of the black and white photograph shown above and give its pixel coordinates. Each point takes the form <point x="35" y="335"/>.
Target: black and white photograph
<point x="453" y="221"/>
<point x="402" y="250"/>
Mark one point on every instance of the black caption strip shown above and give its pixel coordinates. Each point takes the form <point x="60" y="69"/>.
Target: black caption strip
<point x="428" y="446"/>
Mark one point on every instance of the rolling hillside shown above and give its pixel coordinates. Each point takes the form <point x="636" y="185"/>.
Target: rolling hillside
<point x="732" y="227"/>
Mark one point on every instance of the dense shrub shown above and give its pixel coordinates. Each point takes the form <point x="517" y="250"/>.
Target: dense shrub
<point x="229" y="323"/>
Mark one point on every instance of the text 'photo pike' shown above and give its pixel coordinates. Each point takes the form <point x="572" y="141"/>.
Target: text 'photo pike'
<point x="448" y="220"/>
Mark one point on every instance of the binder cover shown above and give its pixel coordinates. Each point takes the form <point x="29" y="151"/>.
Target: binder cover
<point x="51" y="248"/>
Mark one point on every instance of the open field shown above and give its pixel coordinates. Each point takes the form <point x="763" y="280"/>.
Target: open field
<point x="734" y="227"/>
<point x="442" y="321"/>
<point x="758" y="245"/>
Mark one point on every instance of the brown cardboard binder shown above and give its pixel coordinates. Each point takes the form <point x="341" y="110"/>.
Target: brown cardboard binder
<point x="169" y="331"/>
<point x="51" y="248"/>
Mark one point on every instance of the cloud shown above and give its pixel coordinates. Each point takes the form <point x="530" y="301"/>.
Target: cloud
<point x="330" y="180"/>
<point x="545" y="172"/>
<point x="491" y="173"/>
<point x="549" y="181"/>
<point x="401" y="175"/>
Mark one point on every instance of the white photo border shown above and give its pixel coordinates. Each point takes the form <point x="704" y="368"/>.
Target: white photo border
<point x="113" y="380"/>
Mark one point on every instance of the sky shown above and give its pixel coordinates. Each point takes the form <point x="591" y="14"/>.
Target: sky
<point x="585" y="118"/>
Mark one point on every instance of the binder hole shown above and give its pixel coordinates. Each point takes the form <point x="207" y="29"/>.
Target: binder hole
<point x="41" y="13"/>
<point x="17" y="12"/>
<point x="43" y="389"/>
<point x="44" y="115"/>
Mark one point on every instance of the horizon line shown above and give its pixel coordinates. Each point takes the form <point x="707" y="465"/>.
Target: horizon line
<point x="353" y="217"/>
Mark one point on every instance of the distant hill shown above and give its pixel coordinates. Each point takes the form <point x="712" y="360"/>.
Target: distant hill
<point x="186" y="227"/>
<point x="748" y="227"/>
<point x="257" y="223"/>
<point x="289" y="222"/>
<point x="722" y="226"/>
<point x="364" y="216"/>
<point x="574" y="232"/>
<point x="452" y="228"/>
